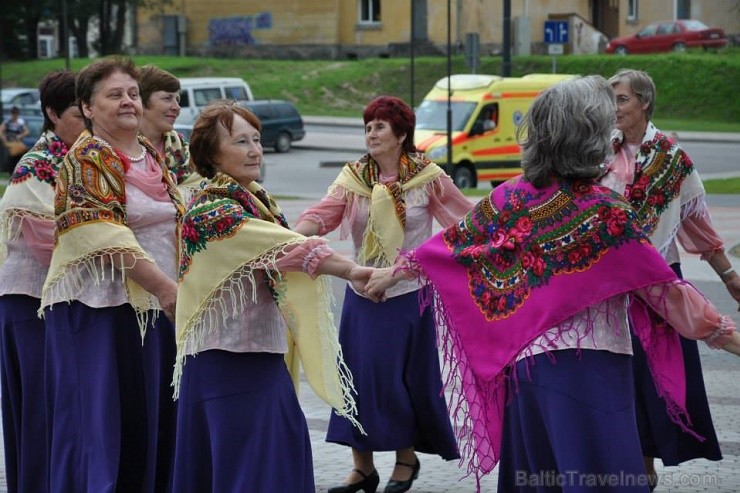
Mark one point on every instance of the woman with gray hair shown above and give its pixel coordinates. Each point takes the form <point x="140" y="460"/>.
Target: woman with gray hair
<point x="530" y="293"/>
<point x="659" y="180"/>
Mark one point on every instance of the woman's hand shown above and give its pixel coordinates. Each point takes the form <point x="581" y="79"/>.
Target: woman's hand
<point x="359" y="276"/>
<point x="733" y="287"/>
<point x="167" y="297"/>
<point x="380" y="281"/>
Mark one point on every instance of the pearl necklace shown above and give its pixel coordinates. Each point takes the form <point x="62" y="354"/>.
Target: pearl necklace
<point x="136" y="159"/>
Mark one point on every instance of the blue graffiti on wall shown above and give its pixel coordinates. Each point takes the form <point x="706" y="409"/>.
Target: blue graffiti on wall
<point x="237" y="30"/>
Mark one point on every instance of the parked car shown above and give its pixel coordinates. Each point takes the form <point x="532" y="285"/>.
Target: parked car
<point x="281" y="123"/>
<point x="24" y="98"/>
<point x="196" y="92"/>
<point x="675" y="35"/>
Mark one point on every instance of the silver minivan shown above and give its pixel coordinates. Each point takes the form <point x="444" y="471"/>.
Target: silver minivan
<point x="196" y="92"/>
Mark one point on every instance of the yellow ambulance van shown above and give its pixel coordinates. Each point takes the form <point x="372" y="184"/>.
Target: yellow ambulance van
<point x="486" y="111"/>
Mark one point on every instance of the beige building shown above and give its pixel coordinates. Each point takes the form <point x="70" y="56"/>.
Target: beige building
<point x="347" y="28"/>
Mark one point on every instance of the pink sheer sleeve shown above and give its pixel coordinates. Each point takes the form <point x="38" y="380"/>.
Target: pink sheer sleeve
<point x="446" y="202"/>
<point x="304" y="257"/>
<point x="697" y="235"/>
<point x="327" y="213"/>
<point x="39" y="236"/>
<point x="687" y="311"/>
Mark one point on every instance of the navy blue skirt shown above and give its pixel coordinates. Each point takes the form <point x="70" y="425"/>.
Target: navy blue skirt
<point x="23" y="409"/>
<point x="391" y="349"/>
<point x="569" y="424"/>
<point x="661" y="437"/>
<point x="240" y="427"/>
<point x="99" y="401"/>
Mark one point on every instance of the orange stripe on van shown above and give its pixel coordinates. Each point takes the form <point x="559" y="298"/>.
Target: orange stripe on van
<point x="499" y="174"/>
<point x="495" y="151"/>
<point x="529" y="94"/>
<point x="424" y="145"/>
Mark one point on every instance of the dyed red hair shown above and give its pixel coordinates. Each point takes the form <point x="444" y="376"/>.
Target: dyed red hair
<point x="400" y="116"/>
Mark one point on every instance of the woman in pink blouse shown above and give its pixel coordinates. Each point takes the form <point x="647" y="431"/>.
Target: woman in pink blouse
<point x="27" y="232"/>
<point x="659" y="180"/>
<point x="386" y="202"/>
<point x="251" y="299"/>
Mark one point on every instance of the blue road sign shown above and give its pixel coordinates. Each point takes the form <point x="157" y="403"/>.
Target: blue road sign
<point x="556" y="31"/>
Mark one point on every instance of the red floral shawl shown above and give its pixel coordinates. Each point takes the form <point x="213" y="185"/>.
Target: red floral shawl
<point x="530" y="259"/>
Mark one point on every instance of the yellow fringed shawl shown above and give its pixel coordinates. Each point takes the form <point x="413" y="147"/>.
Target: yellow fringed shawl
<point x="384" y="233"/>
<point x="30" y="192"/>
<point x="92" y="229"/>
<point x="229" y="233"/>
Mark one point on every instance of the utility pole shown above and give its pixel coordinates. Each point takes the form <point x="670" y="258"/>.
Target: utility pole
<point x="412" y="45"/>
<point x="506" y="65"/>
<point x="449" y="87"/>
<point x="65" y="34"/>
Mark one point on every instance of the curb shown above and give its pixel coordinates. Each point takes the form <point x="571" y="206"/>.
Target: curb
<point x="686" y="136"/>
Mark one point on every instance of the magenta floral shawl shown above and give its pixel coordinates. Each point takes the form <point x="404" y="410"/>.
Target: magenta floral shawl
<point x="523" y="261"/>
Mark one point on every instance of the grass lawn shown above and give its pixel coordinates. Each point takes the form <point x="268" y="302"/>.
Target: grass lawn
<point x="726" y="186"/>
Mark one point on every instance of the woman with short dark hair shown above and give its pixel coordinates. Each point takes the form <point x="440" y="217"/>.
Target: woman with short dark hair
<point x="386" y="201"/>
<point x="27" y="232"/>
<point x="160" y="97"/>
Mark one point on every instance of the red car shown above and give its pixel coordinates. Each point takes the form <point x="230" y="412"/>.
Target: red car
<point x="669" y="36"/>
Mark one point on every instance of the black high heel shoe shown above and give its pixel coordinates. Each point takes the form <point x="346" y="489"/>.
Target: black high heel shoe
<point x="396" y="486"/>
<point x="368" y="484"/>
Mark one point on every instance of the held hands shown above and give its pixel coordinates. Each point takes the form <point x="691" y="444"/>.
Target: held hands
<point x="359" y="277"/>
<point x="380" y="281"/>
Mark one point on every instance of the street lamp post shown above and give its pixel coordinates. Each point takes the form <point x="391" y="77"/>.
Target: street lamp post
<point x="449" y="88"/>
<point x="65" y="34"/>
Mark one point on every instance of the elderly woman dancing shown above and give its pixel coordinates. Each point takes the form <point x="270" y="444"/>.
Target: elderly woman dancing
<point x="111" y="280"/>
<point x="531" y="292"/>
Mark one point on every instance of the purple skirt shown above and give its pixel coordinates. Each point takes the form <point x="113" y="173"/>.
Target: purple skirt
<point x="99" y="401"/>
<point x="391" y="349"/>
<point x="570" y="426"/>
<point x="240" y="427"/>
<point x="24" y="415"/>
<point x="661" y="437"/>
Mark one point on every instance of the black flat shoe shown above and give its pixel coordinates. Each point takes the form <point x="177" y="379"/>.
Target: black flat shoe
<point x="396" y="486"/>
<point x="368" y="484"/>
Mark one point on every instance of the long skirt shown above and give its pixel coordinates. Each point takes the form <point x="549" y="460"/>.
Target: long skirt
<point x="391" y="350"/>
<point x="570" y="426"/>
<point x="661" y="437"/>
<point x="240" y="427"/>
<point x="23" y="409"/>
<point x="98" y="400"/>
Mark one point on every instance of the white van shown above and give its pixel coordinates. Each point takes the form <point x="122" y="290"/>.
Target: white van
<point x="196" y="92"/>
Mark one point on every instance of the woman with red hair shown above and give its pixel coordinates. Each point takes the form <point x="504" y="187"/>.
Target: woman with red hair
<point x="386" y="201"/>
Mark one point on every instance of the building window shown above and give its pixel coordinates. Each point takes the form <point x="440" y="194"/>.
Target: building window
<point x="632" y="10"/>
<point x="369" y="11"/>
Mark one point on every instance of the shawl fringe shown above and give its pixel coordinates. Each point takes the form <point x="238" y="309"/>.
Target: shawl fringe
<point x="96" y="266"/>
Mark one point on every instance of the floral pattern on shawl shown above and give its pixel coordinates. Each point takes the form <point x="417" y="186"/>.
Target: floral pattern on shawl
<point x="660" y="168"/>
<point x="218" y="212"/>
<point x="92" y="184"/>
<point x="512" y="250"/>
<point x="177" y="156"/>
<point x="42" y="161"/>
